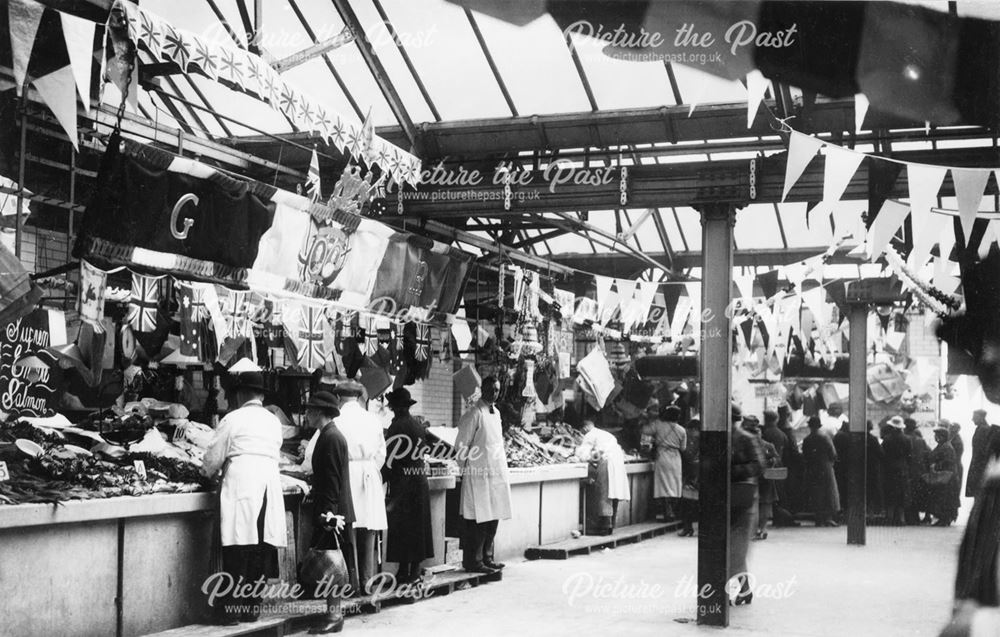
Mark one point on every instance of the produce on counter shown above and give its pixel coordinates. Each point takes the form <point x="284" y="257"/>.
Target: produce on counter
<point x="527" y="450"/>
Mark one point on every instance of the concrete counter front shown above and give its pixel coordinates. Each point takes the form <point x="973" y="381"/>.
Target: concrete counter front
<point x="546" y="505"/>
<point x="121" y="566"/>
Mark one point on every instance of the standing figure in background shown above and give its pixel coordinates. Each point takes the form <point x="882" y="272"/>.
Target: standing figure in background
<point x="875" y="496"/>
<point x="897" y="451"/>
<point x="746" y="470"/>
<point x="940" y="479"/>
<point x="959" y="446"/>
<point x="766" y="490"/>
<point x="794" y="484"/>
<point x="606" y="468"/>
<point x="819" y="455"/>
<point x="482" y="464"/>
<point x="918" y="467"/>
<point x="408" y="509"/>
<point x="246" y="448"/>
<point x="333" y="505"/>
<point x="842" y="444"/>
<point x="985" y="445"/>
<point x="366" y="447"/>
<point x="665" y="439"/>
<point x="772" y="434"/>
<point x="690" y="466"/>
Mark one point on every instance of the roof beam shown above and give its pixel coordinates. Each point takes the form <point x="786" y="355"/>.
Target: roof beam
<point x="406" y="60"/>
<point x="611" y="262"/>
<point x="378" y="71"/>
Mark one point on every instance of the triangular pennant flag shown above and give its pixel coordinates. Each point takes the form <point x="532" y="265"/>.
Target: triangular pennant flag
<point x="860" y="110"/>
<point x="924" y="182"/>
<point x="744" y="283"/>
<point x="768" y="282"/>
<point x="841" y="164"/>
<point x="991" y="236"/>
<point x="626" y="292"/>
<point x="58" y="91"/>
<point x="79" y="35"/>
<point x="889" y="219"/>
<point x="970" y="185"/>
<point x="604" y="296"/>
<point x="680" y="317"/>
<point x="882" y="178"/>
<point x="24" y="16"/>
<point x="944" y="278"/>
<point x="641" y="303"/>
<point x="815" y="300"/>
<point x="801" y="150"/>
<point x="756" y="88"/>
<point x="931" y="231"/>
<point x="694" y="293"/>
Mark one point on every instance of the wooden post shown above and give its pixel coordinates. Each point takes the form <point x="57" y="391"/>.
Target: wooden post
<point x="857" y="478"/>
<point x="717" y="223"/>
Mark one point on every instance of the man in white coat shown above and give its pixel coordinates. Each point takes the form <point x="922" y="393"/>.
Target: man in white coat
<point x="366" y="449"/>
<point x="610" y="484"/>
<point x="485" y="481"/>
<point x="246" y="448"/>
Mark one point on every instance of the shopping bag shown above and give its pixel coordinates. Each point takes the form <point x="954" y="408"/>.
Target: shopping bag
<point x="741" y="495"/>
<point x="323" y="567"/>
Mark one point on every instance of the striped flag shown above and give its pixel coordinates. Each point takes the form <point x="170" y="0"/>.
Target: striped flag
<point x="312" y="179"/>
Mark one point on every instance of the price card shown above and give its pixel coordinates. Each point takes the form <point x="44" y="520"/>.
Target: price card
<point x="4" y="473"/>
<point x="140" y="468"/>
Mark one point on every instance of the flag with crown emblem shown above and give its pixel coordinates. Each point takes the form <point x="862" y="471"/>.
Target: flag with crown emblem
<point x="93" y="281"/>
<point x="304" y="327"/>
<point x="143" y="302"/>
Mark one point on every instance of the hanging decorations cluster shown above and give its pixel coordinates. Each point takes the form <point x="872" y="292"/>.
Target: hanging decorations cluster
<point x="243" y="71"/>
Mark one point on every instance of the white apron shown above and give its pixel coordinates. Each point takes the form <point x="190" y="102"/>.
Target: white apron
<point x="485" y="479"/>
<point x="366" y="449"/>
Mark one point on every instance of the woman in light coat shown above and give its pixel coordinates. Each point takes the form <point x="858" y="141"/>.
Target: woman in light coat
<point x="246" y="448"/>
<point x="666" y="439"/>
<point x="366" y="448"/>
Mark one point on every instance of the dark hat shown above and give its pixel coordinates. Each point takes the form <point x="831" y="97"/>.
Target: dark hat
<point x="350" y="388"/>
<point x="979" y="412"/>
<point x="737" y="413"/>
<point x="400" y="396"/>
<point x="322" y="400"/>
<point x="751" y="423"/>
<point x="814" y="422"/>
<point x="770" y="417"/>
<point x="250" y="380"/>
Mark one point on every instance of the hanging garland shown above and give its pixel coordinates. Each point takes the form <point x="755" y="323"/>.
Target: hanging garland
<point x="940" y="303"/>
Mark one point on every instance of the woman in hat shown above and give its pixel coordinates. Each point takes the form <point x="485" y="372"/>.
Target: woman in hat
<point x="666" y="440"/>
<point x="246" y="449"/>
<point x="818" y="453"/>
<point x="940" y="479"/>
<point x="408" y="507"/>
<point x="767" y="491"/>
<point x="897" y="450"/>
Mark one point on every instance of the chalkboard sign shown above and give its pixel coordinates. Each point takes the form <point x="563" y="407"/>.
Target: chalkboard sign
<point x="28" y="336"/>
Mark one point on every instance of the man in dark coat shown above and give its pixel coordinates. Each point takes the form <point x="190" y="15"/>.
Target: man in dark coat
<point x="959" y="446"/>
<point x="333" y="507"/>
<point x="819" y="455"/>
<point x="792" y="458"/>
<point x="772" y="434"/>
<point x="918" y="467"/>
<point x="896" y="450"/>
<point x="408" y="508"/>
<point x="876" y="481"/>
<point x="985" y="444"/>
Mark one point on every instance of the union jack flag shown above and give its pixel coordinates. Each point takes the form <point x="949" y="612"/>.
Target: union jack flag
<point x="230" y="67"/>
<point x="149" y="32"/>
<point x="370" y="336"/>
<point x="143" y="303"/>
<point x="239" y="324"/>
<point x="423" y="351"/>
<point x="309" y="338"/>
<point x="175" y="40"/>
<point x="204" y="58"/>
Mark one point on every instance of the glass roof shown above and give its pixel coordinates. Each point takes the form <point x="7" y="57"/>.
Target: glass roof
<point x="450" y="51"/>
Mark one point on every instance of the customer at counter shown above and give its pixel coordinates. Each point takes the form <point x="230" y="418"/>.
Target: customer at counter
<point x="246" y="448"/>
<point x="609" y="481"/>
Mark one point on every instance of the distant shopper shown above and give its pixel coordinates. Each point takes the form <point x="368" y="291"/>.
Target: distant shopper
<point x="408" y="508"/>
<point x="666" y="439"/>
<point x="246" y="449"/>
<point x="746" y="469"/>
<point x="876" y="476"/>
<point x="819" y="455"/>
<point x="766" y="490"/>
<point x="940" y="478"/>
<point x="985" y="445"/>
<point x="897" y="449"/>
<point x="959" y="446"/>
<point x="794" y="495"/>
<point x="774" y="435"/>
<point x="690" y="467"/>
<point x="918" y="467"/>
<point x="610" y="485"/>
<point x="485" y="479"/>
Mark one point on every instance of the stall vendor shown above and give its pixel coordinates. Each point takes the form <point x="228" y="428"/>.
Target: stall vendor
<point x="246" y="449"/>
<point x="607" y="471"/>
